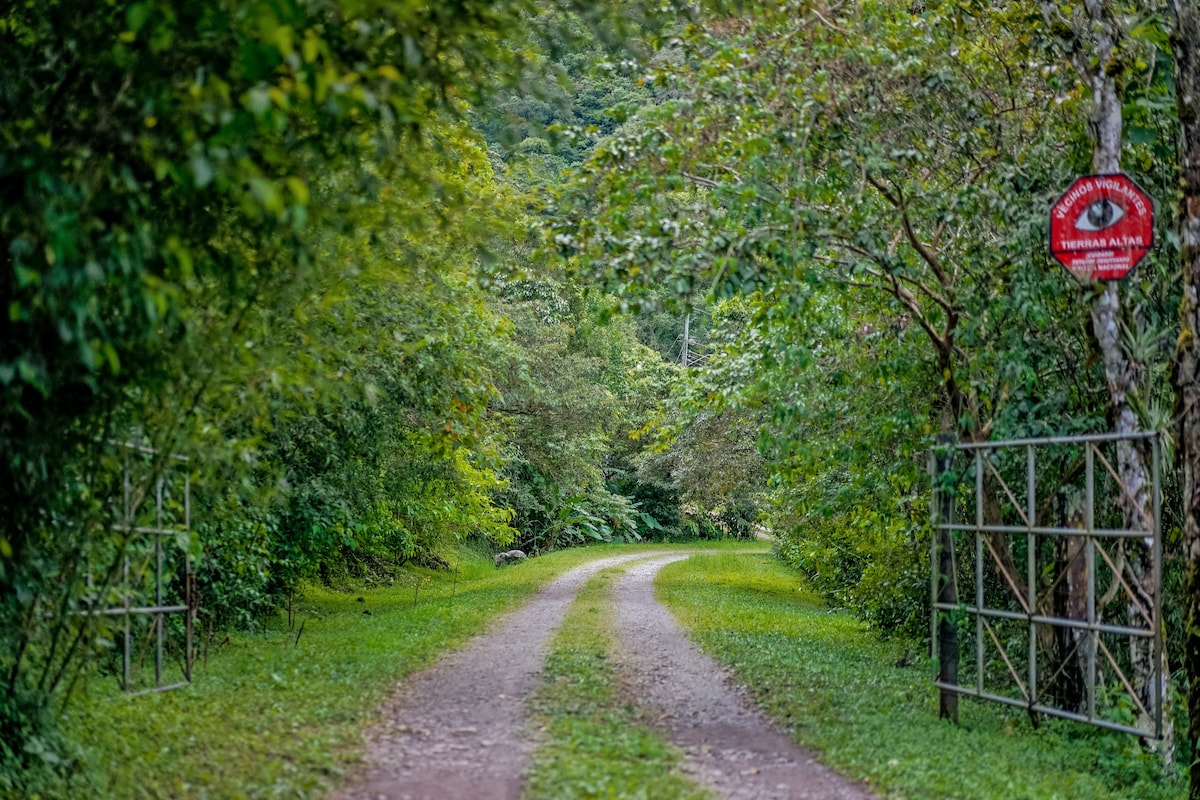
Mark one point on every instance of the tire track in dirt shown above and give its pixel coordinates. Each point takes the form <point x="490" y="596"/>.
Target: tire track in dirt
<point x="730" y="746"/>
<point x="456" y="730"/>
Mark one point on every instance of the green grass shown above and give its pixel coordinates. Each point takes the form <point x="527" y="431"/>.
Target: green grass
<point x="595" y="740"/>
<point x="838" y="689"/>
<point x="269" y="717"/>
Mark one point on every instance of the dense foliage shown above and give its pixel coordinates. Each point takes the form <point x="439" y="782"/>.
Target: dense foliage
<point x="287" y="241"/>
<point x="395" y="276"/>
<point x="875" y="184"/>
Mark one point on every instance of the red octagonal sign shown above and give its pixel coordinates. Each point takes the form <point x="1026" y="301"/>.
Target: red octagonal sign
<point x="1101" y="227"/>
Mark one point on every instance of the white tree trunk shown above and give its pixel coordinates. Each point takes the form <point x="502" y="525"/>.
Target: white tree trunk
<point x="1122" y="375"/>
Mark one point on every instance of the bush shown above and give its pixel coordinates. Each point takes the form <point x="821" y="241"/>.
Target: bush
<point x="871" y="559"/>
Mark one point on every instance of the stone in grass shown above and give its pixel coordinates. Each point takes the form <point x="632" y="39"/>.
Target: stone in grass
<point x="511" y="555"/>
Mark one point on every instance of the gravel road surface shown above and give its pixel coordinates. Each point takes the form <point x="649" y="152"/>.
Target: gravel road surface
<point x="457" y="730"/>
<point x="731" y="746"/>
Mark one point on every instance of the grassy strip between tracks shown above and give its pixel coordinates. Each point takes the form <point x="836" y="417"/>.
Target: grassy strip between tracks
<point x="837" y="688"/>
<point x="274" y="714"/>
<point x="596" y="743"/>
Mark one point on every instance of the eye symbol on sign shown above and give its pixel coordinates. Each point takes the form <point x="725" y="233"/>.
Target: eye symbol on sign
<point x="1099" y="215"/>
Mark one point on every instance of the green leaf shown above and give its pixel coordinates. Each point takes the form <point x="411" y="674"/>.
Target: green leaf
<point x="202" y="172"/>
<point x="299" y="190"/>
<point x="137" y="15"/>
<point x="26" y="276"/>
<point x="28" y="372"/>
<point x="1140" y="135"/>
<point x="111" y="357"/>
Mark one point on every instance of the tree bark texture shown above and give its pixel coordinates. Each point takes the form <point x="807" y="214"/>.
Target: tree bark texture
<point x="1185" y="39"/>
<point x="1106" y="116"/>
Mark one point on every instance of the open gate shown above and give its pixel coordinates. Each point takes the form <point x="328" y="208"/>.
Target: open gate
<point x="1047" y="594"/>
<point x="153" y="597"/>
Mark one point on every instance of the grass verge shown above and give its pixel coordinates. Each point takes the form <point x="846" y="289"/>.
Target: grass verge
<point x="837" y="688"/>
<point x="270" y="716"/>
<point x="596" y="742"/>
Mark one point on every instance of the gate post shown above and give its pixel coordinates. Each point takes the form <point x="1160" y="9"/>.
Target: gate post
<point x="945" y="588"/>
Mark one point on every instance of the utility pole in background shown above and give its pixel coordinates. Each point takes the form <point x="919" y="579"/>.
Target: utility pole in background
<point x="683" y="352"/>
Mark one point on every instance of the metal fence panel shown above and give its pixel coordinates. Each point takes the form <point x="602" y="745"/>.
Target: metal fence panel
<point x="157" y="578"/>
<point x="1056" y="578"/>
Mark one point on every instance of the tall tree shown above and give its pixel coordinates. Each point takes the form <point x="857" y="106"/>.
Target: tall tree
<point x="1093" y="46"/>
<point x="1185" y="16"/>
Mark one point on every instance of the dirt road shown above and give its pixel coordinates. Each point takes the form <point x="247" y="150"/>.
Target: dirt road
<point x="457" y="730"/>
<point x="730" y="746"/>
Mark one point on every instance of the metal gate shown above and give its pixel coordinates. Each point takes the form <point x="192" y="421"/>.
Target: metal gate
<point x="157" y="583"/>
<point x="1051" y="594"/>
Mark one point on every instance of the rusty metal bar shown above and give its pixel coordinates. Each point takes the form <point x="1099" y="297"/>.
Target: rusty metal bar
<point x="132" y="611"/>
<point x="145" y="449"/>
<point x="1090" y="643"/>
<point x="979" y="622"/>
<point x="1011" y="497"/>
<point x="127" y="662"/>
<point x="189" y="580"/>
<point x="1031" y="565"/>
<point x="1012" y="582"/>
<point x="1120" y="579"/>
<point x="1062" y="622"/>
<point x="1137" y="701"/>
<point x="1125" y="492"/>
<point x="1089" y="524"/>
<point x="158" y="599"/>
<point x="126" y="659"/>
<point x="157" y="689"/>
<point x="1049" y="711"/>
<point x="1081" y="439"/>
<point x="147" y="529"/>
<point x="1100" y="533"/>
<point x="934" y="478"/>
<point x="1012" y="670"/>
<point x="1157" y="672"/>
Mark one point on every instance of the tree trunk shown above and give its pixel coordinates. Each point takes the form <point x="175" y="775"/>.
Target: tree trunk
<point x="947" y="587"/>
<point x="1070" y="601"/>
<point x="1186" y="19"/>
<point x="1131" y="466"/>
<point x="1099" y="69"/>
<point x="1122" y="375"/>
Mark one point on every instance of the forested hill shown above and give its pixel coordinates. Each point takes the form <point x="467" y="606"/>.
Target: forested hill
<point x="399" y="278"/>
